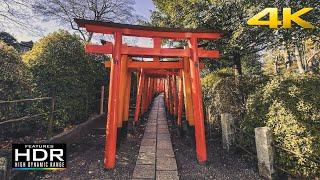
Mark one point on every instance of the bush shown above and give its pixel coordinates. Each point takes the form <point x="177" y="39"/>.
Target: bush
<point x="290" y="106"/>
<point x="61" y="68"/>
<point x="14" y="82"/>
<point x="224" y="93"/>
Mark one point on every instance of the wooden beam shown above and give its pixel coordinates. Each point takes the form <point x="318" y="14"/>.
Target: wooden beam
<point x="138" y="51"/>
<point x="152" y="33"/>
<point x="208" y="53"/>
<point x="107" y="64"/>
<point x="155" y="65"/>
<point x="160" y="52"/>
<point x="99" y="49"/>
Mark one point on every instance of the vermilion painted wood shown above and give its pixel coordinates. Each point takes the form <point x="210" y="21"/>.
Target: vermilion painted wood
<point x="175" y="96"/>
<point x="152" y="34"/>
<point x="122" y="88"/>
<point x="180" y="104"/>
<point x="190" y="85"/>
<point x="166" y="93"/>
<point x="208" y="53"/>
<point x="139" y="96"/>
<point x="107" y="64"/>
<point x="149" y="92"/>
<point x="155" y="65"/>
<point x="197" y="103"/>
<point x="112" y="116"/>
<point x="127" y="97"/>
<point x="160" y="72"/>
<point x="157" y="43"/>
<point x="171" y="100"/>
<point x="150" y="52"/>
<point x="188" y="92"/>
<point x="144" y="93"/>
<point x="99" y="49"/>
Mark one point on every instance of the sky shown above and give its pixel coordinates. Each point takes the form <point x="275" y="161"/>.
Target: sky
<point x="142" y="8"/>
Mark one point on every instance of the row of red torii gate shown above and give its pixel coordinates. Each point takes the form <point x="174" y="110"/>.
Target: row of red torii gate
<point x="178" y="79"/>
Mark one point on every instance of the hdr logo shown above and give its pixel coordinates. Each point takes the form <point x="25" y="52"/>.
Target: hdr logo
<point x="288" y="18"/>
<point x="39" y="156"/>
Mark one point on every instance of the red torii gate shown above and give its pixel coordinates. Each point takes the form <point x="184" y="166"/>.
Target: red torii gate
<point x="154" y="76"/>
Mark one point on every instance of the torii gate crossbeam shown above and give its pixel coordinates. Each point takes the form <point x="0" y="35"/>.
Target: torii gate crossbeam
<point x="179" y="80"/>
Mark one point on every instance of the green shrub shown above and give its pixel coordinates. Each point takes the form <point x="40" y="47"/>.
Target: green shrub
<point x="290" y="106"/>
<point x="224" y="93"/>
<point x="61" y="68"/>
<point x="14" y="82"/>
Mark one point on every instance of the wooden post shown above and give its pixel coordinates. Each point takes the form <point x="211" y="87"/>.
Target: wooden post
<point x="122" y="88"/>
<point x="112" y="116"/>
<point x="101" y="100"/>
<point x="180" y="104"/>
<point x="166" y="93"/>
<point x="127" y="98"/>
<point x="187" y="91"/>
<point x="197" y="102"/>
<point x="139" y="94"/>
<point x="175" y="96"/>
<point x="144" y="96"/>
<point x="52" y="109"/>
<point x="170" y="96"/>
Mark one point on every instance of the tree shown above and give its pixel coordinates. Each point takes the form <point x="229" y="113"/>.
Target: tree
<point x="15" y="13"/>
<point x="100" y="10"/>
<point x="61" y="68"/>
<point x="294" y="39"/>
<point x="230" y="16"/>
<point x="15" y="81"/>
<point x="8" y="38"/>
<point x="240" y="39"/>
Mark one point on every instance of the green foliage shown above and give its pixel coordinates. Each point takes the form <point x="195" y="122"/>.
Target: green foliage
<point x="14" y="82"/>
<point x="228" y="16"/>
<point x="289" y="105"/>
<point x="8" y="39"/>
<point x="224" y="93"/>
<point x="61" y="68"/>
<point x="209" y="80"/>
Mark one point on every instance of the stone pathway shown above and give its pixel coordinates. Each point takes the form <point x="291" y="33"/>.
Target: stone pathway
<point x="156" y="158"/>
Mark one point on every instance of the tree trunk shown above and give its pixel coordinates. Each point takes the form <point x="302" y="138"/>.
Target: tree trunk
<point x="299" y="60"/>
<point x="276" y="67"/>
<point x="237" y="63"/>
<point x="288" y="60"/>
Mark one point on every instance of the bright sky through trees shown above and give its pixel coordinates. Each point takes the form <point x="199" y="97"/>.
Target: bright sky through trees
<point x="142" y="8"/>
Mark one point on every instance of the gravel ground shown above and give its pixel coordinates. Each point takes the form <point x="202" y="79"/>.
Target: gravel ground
<point x="85" y="160"/>
<point x="220" y="165"/>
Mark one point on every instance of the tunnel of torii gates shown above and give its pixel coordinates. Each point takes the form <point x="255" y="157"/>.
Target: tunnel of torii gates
<point x="179" y="80"/>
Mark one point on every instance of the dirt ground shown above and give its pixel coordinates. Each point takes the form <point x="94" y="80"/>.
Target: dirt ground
<point x="85" y="160"/>
<point x="220" y="165"/>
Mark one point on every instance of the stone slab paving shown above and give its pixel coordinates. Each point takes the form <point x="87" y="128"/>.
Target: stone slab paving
<point x="156" y="158"/>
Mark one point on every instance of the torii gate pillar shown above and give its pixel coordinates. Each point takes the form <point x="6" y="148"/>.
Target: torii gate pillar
<point x="113" y="108"/>
<point x="197" y="102"/>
